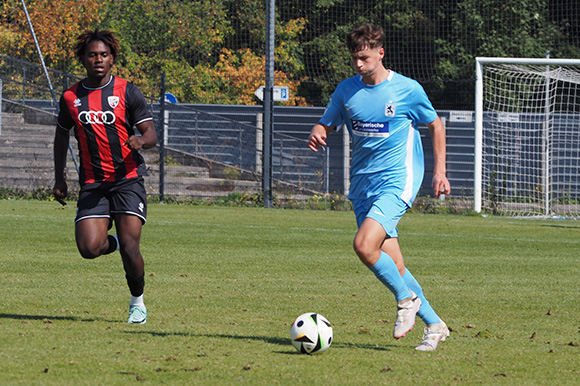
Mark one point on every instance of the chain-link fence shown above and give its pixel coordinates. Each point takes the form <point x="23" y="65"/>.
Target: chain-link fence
<point x="213" y="56"/>
<point x="213" y="50"/>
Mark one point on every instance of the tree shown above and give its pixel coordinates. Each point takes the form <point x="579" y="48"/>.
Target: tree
<point x="165" y="36"/>
<point x="212" y="50"/>
<point x="518" y="28"/>
<point x="56" y="23"/>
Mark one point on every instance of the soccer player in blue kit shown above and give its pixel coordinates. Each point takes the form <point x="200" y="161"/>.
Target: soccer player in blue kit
<point x="382" y="110"/>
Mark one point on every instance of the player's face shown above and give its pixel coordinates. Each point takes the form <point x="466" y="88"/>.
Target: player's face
<point x="98" y="60"/>
<point x="367" y="61"/>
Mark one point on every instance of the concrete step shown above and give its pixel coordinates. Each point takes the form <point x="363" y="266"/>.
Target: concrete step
<point x="22" y="145"/>
<point x="21" y="149"/>
<point x="14" y="124"/>
<point x="203" y="184"/>
<point x="17" y="158"/>
<point x="25" y="130"/>
<point x="17" y="164"/>
<point x="200" y="187"/>
<point x="178" y="170"/>
<point x="28" y="182"/>
<point x="12" y="119"/>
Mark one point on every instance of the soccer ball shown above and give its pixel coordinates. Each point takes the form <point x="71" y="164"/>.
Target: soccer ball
<point x="311" y="333"/>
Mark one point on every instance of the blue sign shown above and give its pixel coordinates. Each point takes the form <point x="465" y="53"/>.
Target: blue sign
<point x="170" y="98"/>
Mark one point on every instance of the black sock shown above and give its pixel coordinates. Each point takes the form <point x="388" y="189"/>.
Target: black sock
<point x="136" y="285"/>
<point x="113" y="244"/>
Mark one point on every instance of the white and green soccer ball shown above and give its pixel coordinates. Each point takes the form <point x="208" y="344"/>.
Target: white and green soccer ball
<point x="311" y="333"/>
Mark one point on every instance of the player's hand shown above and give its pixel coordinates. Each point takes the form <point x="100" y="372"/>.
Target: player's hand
<point x="440" y="185"/>
<point x="316" y="140"/>
<point x="60" y="191"/>
<point x="134" y="143"/>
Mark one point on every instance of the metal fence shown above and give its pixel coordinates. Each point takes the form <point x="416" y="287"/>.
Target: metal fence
<point x="233" y="149"/>
<point x="214" y="54"/>
<point x="208" y="154"/>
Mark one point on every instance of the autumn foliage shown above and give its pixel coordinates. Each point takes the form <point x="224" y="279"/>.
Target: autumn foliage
<point x="186" y="40"/>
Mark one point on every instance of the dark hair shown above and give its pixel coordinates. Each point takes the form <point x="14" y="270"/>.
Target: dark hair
<point x="365" y="36"/>
<point x="87" y="37"/>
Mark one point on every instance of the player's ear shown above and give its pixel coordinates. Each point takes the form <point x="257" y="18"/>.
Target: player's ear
<point x="382" y="52"/>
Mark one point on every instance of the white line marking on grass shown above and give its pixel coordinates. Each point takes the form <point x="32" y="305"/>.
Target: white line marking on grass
<point x="480" y="237"/>
<point x="200" y="224"/>
<point x="347" y="231"/>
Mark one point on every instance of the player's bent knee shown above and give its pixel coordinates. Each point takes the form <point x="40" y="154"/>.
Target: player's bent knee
<point x="363" y="252"/>
<point x="90" y="251"/>
<point x="88" y="254"/>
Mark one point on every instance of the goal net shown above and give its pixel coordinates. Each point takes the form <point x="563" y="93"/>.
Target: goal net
<point x="527" y="137"/>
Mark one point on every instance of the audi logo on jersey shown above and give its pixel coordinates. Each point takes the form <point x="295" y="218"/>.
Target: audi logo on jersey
<point x="92" y="117"/>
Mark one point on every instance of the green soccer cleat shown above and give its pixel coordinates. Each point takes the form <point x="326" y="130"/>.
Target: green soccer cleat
<point x="137" y="315"/>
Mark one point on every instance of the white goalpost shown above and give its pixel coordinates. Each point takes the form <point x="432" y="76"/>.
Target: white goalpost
<point x="527" y="137"/>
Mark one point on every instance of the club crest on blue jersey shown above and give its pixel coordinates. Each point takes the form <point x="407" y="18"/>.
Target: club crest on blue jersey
<point x="389" y="110"/>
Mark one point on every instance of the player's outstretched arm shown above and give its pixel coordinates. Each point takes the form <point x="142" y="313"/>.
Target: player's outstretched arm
<point x="61" y="142"/>
<point x="439" y="183"/>
<point x="318" y="136"/>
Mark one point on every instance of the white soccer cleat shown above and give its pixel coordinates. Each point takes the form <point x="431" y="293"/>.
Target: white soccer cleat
<point x="137" y="315"/>
<point x="406" y="311"/>
<point x="434" y="333"/>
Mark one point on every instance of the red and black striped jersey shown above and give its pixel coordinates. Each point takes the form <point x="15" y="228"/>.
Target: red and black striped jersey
<point x="103" y="119"/>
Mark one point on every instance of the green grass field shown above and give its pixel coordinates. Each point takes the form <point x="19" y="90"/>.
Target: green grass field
<point x="223" y="286"/>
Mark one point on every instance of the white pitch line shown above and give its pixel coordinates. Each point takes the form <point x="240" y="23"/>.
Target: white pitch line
<point x="346" y="231"/>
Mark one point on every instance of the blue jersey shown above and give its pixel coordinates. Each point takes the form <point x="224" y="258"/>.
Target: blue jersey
<point x="382" y="120"/>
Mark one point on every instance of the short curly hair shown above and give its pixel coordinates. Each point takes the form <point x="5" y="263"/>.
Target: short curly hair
<point x="88" y="36"/>
<point x="365" y="36"/>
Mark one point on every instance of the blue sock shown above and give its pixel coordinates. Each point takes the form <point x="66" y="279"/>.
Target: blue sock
<point x="426" y="312"/>
<point x="386" y="271"/>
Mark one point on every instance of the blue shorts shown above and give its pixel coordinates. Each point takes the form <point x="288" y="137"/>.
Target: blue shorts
<point x="387" y="209"/>
<point x="102" y="199"/>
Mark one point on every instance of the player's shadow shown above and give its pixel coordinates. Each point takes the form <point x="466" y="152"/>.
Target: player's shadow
<point x="268" y="339"/>
<point x="52" y="317"/>
<point x="571" y="226"/>
<point x="279" y="341"/>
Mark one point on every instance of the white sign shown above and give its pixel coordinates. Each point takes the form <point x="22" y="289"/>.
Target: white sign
<point x="281" y="93"/>
<point x="506" y="117"/>
<point x="460" y="116"/>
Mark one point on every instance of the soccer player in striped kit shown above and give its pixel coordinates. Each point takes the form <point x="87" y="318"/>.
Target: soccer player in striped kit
<point x="382" y="110"/>
<point x="103" y="111"/>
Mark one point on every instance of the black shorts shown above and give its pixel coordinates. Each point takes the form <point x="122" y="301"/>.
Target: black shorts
<point x="102" y="199"/>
